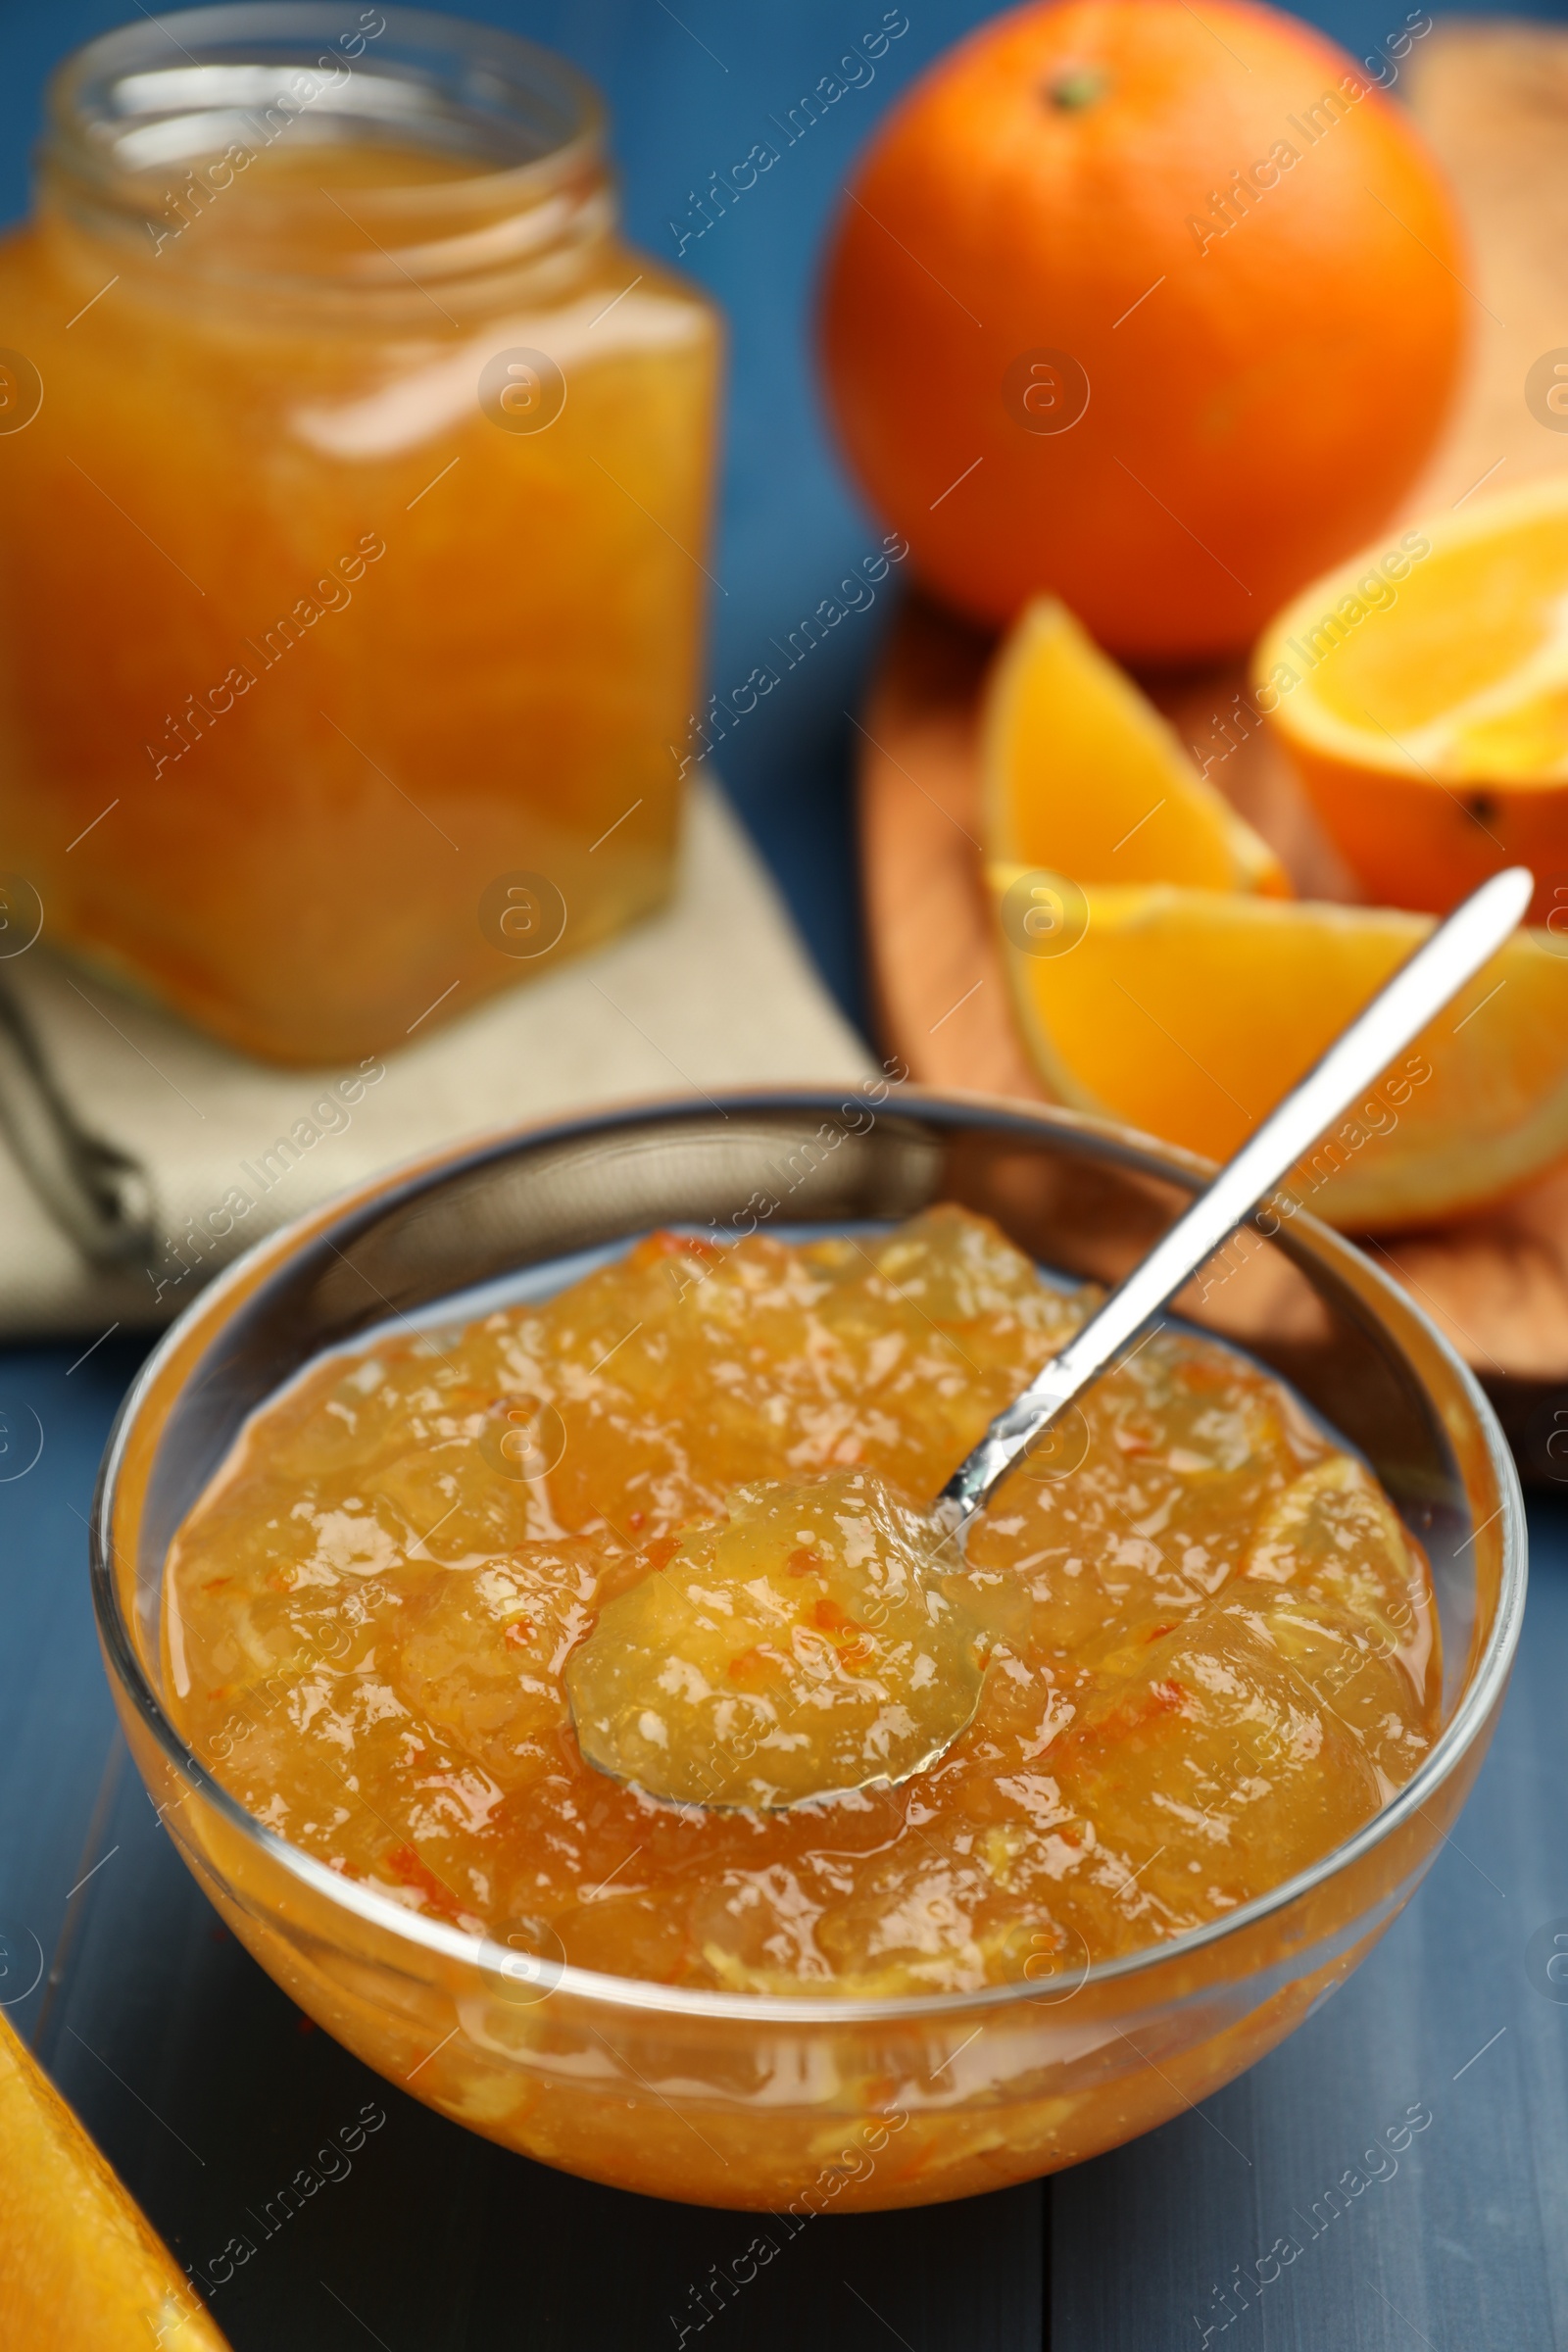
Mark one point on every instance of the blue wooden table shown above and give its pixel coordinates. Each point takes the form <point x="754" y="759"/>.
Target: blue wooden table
<point x="1258" y="2220"/>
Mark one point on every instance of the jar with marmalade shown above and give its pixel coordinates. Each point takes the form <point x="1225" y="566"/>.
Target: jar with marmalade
<point x="354" y="487"/>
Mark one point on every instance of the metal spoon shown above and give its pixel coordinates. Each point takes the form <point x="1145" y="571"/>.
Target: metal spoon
<point x="612" y="1719"/>
<point x="1399" y="1012"/>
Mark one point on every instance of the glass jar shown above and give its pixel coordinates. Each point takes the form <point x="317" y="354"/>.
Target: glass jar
<point x="354" y="487"/>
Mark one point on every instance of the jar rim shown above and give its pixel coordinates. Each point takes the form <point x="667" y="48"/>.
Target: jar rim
<point x="160" y="96"/>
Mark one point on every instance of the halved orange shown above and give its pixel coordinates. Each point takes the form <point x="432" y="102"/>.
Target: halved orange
<point x="1422" y="694"/>
<point x="80" y="2264"/>
<point x="1188" y="1013"/>
<point x="1080" y="774"/>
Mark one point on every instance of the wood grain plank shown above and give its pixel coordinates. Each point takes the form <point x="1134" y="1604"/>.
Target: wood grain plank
<point x="58" y="1737"/>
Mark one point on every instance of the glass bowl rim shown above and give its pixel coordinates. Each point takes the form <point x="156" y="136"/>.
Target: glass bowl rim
<point x="1306" y="1236"/>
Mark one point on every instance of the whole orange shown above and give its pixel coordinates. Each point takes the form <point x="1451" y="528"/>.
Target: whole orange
<point x="1156" y="308"/>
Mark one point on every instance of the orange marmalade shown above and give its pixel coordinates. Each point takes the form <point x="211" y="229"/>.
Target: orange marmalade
<point x="669" y="1519"/>
<point x="354" y="484"/>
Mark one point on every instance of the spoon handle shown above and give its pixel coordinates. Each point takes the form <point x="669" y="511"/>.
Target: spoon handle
<point x="1399" y="1012"/>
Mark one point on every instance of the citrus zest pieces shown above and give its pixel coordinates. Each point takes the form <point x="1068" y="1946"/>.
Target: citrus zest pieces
<point x="1189" y="1013"/>
<point x="1422" y="694"/>
<point x="1081" y="773"/>
<point x="80" y="2264"/>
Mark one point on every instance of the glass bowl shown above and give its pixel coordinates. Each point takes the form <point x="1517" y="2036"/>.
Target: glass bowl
<point x="802" y="2105"/>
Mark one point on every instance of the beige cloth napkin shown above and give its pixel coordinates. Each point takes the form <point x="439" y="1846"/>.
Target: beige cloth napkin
<point x="197" y="1151"/>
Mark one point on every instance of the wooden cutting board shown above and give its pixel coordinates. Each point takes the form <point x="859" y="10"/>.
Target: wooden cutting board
<point x="1493" y="102"/>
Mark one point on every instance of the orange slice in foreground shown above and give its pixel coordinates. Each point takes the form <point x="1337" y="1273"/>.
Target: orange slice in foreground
<point x="1080" y="774"/>
<point x="79" y="2265"/>
<point x="1189" y="1013"/>
<point x="1422" y="694"/>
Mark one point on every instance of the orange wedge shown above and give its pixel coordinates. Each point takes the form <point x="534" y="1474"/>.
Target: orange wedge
<point x="1188" y="1013"/>
<point x="1422" y="694"/>
<point x="80" y="2266"/>
<point x="1080" y="774"/>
